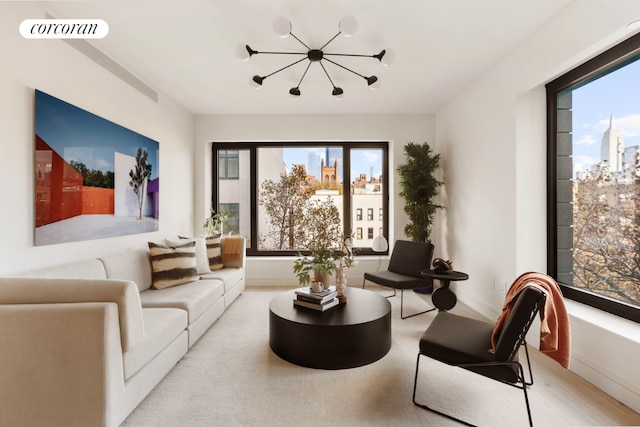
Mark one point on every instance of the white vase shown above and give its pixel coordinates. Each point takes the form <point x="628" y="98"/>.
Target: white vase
<point x="341" y="281"/>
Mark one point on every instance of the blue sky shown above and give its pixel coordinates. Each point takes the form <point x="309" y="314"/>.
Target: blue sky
<point x="76" y="134"/>
<point x="361" y="159"/>
<point x="617" y="93"/>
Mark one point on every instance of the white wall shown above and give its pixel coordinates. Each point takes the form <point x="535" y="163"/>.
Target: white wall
<point x="493" y="140"/>
<point x="60" y="70"/>
<point x="399" y="130"/>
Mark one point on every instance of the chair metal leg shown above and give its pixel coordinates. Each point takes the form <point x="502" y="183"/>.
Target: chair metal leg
<point x="526" y="350"/>
<point x="524" y="389"/>
<point x="402" y="316"/>
<point x="423" y="406"/>
<point x="523" y="386"/>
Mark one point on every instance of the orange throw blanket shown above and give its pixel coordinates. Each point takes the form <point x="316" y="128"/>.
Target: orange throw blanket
<point x="555" y="331"/>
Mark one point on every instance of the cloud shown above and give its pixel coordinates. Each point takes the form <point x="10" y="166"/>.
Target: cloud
<point x="585" y="160"/>
<point x="587" y="139"/>
<point x="104" y="165"/>
<point x="628" y="125"/>
<point x="371" y="157"/>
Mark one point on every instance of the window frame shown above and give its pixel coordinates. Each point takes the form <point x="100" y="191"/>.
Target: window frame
<point x="616" y="57"/>
<point x="348" y="220"/>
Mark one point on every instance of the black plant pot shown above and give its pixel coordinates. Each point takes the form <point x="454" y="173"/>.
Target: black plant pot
<point x="425" y="289"/>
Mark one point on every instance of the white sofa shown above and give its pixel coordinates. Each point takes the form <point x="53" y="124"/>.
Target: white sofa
<point x="82" y="344"/>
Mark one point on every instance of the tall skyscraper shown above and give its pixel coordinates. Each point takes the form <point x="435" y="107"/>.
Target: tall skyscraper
<point x="333" y="155"/>
<point x="612" y="147"/>
<point x="314" y="167"/>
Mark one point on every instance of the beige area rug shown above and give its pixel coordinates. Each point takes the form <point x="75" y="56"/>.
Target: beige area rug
<point x="232" y="378"/>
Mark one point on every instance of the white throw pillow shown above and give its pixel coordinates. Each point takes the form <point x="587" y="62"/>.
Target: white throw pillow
<point x="202" y="260"/>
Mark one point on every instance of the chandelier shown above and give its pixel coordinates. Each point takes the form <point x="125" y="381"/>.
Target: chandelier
<point x="346" y="27"/>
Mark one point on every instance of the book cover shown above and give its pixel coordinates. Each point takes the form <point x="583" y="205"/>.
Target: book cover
<point x="323" y="296"/>
<point x="319" y="307"/>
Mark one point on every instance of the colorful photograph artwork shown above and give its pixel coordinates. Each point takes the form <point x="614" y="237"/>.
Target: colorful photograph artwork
<point x="93" y="178"/>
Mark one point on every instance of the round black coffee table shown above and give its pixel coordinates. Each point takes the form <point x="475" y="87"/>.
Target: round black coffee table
<point x="353" y="334"/>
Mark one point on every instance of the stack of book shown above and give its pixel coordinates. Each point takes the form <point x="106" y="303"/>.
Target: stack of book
<point x="320" y="301"/>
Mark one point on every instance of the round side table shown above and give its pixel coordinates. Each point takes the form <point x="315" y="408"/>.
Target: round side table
<point x="443" y="298"/>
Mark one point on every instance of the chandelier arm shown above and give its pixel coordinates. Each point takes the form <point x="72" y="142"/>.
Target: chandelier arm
<point x="301" y="42"/>
<point x="304" y="74"/>
<point x="342" y="66"/>
<point x="280" y="53"/>
<point x="349" y="54"/>
<point x="329" y="77"/>
<point x="332" y="39"/>
<point x="285" y="67"/>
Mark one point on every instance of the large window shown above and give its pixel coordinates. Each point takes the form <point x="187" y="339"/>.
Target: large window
<point x="279" y="186"/>
<point x="593" y="115"/>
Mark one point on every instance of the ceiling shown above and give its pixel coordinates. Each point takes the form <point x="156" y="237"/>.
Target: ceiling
<point x="186" y="49"/>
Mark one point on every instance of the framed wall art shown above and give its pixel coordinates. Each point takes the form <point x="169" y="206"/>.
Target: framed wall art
<point x="93" y="178"/>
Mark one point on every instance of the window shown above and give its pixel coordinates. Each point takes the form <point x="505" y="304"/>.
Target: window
<point x="380" y="215"/>
<point x="370" y="233"/>
<point x="279" y="186"/>
<point x="233" y="217"/>
<point x="228" y="164"/>
<point x="593" y="190"/>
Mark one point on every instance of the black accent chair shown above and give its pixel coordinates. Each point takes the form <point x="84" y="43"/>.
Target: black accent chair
<point x="465" y="343"/>
<point x="408" y="260"/>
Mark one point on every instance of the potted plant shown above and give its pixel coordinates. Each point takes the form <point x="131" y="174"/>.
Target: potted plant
<point x="216" y="222"/>
<point x="321" y="264"/>
<point x="419" y="188"/>
<point x="324" y="241"/>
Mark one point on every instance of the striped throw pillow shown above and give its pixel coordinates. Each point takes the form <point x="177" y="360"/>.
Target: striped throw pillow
<point x="214" y="252"/>
<point x="173" y="265"/>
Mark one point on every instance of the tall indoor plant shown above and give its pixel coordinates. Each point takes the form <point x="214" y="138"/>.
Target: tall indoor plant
<point x="419" y="188"/>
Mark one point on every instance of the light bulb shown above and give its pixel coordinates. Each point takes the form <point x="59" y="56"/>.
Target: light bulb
<point x="388" y="58"/>
<point x="282" y="26"/>
<point x="348" y="26"/>
<point x="242" y="52"/>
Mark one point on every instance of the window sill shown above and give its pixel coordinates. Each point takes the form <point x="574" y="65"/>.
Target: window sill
<point x="603" y="320"/>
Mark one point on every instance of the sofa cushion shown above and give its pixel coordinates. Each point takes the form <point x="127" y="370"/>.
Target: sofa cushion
<point x="172" y="265"/>
<point x="86" y="269"/>
<point x="162" y="326"/>
<point x="230" y="276"/>
<point x="202" y="260"/>
<point x="131" y="265"/>
<point x="194" y="297"/>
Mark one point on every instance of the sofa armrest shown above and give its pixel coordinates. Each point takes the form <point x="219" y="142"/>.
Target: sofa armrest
<point x="32" y="290"/>
<point x="61" y="365"/>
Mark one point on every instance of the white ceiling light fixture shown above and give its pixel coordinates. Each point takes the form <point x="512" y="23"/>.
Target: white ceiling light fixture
<point x="346" y="27"/>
